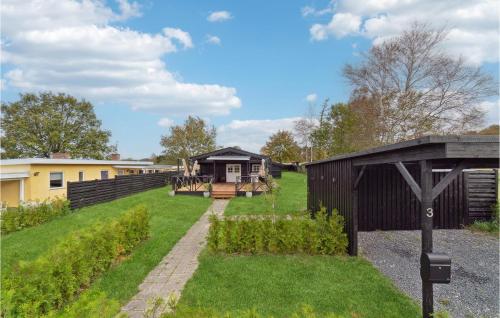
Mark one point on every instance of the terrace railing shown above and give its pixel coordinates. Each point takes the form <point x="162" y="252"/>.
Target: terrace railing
<point x="257" y="183"/>
<point x="192" y="183"/>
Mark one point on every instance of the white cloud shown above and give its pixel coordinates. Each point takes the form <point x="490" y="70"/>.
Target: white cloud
<point x="165" y="122"/>
<point x="311" y="11"/>
<point x="212" y="39"/>
<point x="311" y="98"/>
<point x="251" y="135"/>
<point x="492" y="110"/>
<point x="128" y="10"/>
<point x="342" y="24"/>
<point x="473" y="25"/>
<point x="219" y="16"/>
<point x="72" y="46"/>
<point x="183" y="37"/>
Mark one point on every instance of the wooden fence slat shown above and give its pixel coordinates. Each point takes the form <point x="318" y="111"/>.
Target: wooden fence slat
<point x="85" y="193"/>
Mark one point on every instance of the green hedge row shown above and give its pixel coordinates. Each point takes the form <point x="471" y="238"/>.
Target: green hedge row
<point x="280" y="235"/>
<point x="32" y="214"/>
<point x="54" y="280"/>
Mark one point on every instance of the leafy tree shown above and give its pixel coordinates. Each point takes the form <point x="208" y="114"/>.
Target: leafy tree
<point x="38" y="125"/>
<point x="282" y="147"/>
<point x="417" y="88"/>
<point x="192" y="138"/>
<point x="490" y="130"/>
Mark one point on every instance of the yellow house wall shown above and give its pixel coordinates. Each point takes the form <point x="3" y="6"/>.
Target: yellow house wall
<point x="9" y="192"/>
<point x="38" y="185"/>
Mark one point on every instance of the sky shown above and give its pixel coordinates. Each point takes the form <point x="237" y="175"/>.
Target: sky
<point x="249" y="68"/>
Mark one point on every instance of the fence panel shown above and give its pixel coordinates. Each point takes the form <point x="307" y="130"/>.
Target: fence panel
<point x="85" y="193"/>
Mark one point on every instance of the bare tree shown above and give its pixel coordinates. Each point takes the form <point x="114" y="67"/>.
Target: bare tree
<point x="304" y="129"/>
<point x="419" y="89"/>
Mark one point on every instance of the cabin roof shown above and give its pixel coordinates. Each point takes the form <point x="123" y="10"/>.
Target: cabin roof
<point x="224" y="151"/>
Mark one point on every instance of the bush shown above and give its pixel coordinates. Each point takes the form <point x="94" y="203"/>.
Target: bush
<point x="29" y="215"/>
<point x="54" y="280"/>
<point x="491" y="226"/>
<point x="280" y="235"/>
<point x="89" y="304"/>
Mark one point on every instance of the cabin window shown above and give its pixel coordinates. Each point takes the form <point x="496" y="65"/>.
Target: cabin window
<point x="56" y="180"/>
<point x="104" y="174"/>
<point x="120" y="172"/>
<point x="236" y="168"/>
<point x="81" y="176"/>
<point x="255" y="168"/>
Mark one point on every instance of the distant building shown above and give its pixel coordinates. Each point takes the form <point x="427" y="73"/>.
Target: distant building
<point x="38" y="179"/>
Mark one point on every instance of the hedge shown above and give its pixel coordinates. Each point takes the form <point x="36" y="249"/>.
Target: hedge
<point x="279" y="235"/>
<point x="56" y="279"/>
<point x="29" y="215"/>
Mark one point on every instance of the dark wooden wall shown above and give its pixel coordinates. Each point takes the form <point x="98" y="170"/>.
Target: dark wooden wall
<point x="207" y="169"/>
<point x="386" y="202"/>
<point x="275" y="171"/>
<point x="329" y="185"/>
<point x="85" y="193"/>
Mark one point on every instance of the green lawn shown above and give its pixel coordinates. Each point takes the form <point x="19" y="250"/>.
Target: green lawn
<point x="171" y="217"/>
<point x="291" y="198"/>
<point x="280" y="285"/>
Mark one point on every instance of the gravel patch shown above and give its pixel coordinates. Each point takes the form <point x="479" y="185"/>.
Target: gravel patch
<point x="474" y="287"/>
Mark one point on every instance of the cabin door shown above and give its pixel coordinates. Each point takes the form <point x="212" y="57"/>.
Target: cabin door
<point x="232" y="171"/>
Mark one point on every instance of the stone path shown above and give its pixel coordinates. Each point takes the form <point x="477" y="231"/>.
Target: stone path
<point x="173" y="272"/>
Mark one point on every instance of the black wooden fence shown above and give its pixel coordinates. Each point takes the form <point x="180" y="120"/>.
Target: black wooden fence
<point x="87" y="193"/>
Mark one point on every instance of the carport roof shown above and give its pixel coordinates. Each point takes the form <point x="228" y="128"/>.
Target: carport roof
<point x="484" y="150"/>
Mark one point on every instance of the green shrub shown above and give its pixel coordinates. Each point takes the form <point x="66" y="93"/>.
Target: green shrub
<point x="89" y="304"/>
<point x="28" y="215"/>
<point x="280" y="235"/>
<point x="54" y="280"/>
<point x="491" y="226"/>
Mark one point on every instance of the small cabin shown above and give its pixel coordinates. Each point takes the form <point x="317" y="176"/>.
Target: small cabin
<point x="229" y="164"/>
<point x="226" y="173"/>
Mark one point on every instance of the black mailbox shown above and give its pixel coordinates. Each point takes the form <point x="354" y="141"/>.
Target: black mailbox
<point x="435" y="268"/>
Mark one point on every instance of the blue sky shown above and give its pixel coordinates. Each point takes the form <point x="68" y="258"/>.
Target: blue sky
<point x="248" y="71"/>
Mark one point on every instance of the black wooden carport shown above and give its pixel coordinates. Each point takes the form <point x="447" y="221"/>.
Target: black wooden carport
<point x="334" y="182"/>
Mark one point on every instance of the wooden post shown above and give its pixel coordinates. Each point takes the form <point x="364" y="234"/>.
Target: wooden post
<point x="356" y="178"/>
<point x="426" y="222"/>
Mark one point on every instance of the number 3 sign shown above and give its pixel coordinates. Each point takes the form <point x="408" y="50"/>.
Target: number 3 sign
<point x="430" y="212"/>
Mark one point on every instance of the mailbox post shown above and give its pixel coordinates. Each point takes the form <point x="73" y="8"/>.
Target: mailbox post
<point x="426" y="220"/>
<point x="435" y="268"/>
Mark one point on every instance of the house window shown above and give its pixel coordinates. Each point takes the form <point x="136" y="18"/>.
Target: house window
<point x="56" y="180"/>
<point x="255" y="168"/>
<point x="81" y="176"/>
<point x="236" y="169"/>
<point x="104" y="174"/>
<point x="120" y="172"/>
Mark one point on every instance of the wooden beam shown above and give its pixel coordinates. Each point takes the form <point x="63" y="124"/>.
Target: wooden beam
<point x="450" y="176"/>
<point x="409" y="179"/>
<point x="427" y="215"/>
<point x="359" y="177"/>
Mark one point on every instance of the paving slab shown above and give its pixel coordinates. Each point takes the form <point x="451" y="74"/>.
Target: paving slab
<point x="176" y="268"/>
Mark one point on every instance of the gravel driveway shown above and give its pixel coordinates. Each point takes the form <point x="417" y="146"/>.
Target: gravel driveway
<point x="474" y="289"/>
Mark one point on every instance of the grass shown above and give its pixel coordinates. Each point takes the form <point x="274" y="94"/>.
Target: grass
<point x="171" y="217"/>
<point x="280" y="285"/>
<point x="291" y="198"/>
<point x="490" y="227"/>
